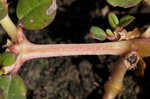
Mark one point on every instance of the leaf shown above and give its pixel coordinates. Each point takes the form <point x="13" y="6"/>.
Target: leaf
<point x="36" y="14"/>
<point x="98" y="33"/>
<point x="126" y="20"/>
<point x="113" y="20"/>
<point x="112" y="35"/>
<point x="124" y="3"/>
<point x="12" y="87"/>
<point x="109" y="33"/>
<point x="7" y="59"/>
<point x="3" y="9"/>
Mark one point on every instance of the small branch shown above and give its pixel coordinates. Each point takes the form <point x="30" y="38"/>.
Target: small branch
<point x="114" y="85"/>
<point x="10" y="27"/>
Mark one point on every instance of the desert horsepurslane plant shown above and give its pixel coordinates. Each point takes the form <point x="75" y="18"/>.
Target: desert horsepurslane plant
<point x="132" y="46"/>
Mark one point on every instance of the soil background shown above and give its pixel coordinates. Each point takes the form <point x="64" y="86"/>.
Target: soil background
<point x="79" y="77"/>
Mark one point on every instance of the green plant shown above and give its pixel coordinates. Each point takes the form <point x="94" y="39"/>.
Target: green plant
<point x="132" y="46"/>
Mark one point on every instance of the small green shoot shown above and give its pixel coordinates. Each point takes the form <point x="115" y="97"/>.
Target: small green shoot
<point x="117" y="26"/>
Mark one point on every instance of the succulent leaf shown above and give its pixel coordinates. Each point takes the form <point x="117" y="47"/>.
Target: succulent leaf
<point x="98" y="33"/>
<point x="124" y="21"/>
<point x="113" y="20"/>
<point x="109" y="33"/>
<point x="36" y="14"/>
<point x="124" y="3"/>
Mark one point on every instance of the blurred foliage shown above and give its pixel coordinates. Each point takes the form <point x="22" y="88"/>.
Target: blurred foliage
<point x="12" y="87"/>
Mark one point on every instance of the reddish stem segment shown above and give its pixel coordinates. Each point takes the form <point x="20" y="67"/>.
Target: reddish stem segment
<point x="38" y="51"/>
<point x="26" y="51"/>
<point x="30" y="51"/>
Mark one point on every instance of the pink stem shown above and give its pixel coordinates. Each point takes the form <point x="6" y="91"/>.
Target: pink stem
<point x="53" y="50"/>
<point x="26" y="51"/>
<point x="29" y="51"/>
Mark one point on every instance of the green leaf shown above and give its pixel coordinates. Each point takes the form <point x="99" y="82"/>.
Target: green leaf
<point x="124" y="21"/>
<point x="36" y="14"/>
<point x="98" y="33"/>
<point x="12" y="87"/>
<point x="109" y="33"/>
<point x="113" y="20"/>
<point x="7" y="59"/>
<point x="3" y="9"/>
<point x="124" y="3"/>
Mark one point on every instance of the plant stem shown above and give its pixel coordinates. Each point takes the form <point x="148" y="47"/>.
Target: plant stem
<point x="30" y="51"/>
<point x="142" y="46"/>
<point x="53" y="50"/>
<point x="9" y="27"/>
<point x="114" y="85"/>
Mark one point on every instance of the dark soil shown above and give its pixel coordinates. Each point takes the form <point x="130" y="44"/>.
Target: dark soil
<point x="78" y="77"/>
